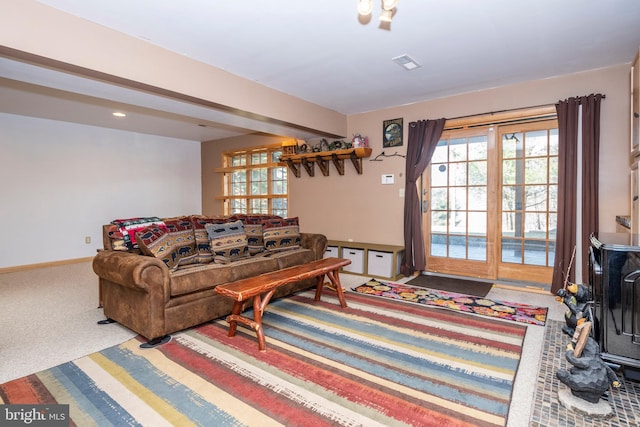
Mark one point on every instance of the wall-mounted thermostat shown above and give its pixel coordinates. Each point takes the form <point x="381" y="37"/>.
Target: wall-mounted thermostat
<point x="387" y="178"/>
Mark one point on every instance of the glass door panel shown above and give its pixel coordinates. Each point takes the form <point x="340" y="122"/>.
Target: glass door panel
<point x="458" y="205"/>
<point x="529" y="202"/>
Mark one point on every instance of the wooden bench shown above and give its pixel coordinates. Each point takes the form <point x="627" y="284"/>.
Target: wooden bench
<point x="262" y="287"/>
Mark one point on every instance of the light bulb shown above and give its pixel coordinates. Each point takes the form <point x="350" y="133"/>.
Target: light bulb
<point x="365" y="7"/>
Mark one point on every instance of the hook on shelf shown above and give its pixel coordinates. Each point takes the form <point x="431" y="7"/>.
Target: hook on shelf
<point x="378" y="159"/>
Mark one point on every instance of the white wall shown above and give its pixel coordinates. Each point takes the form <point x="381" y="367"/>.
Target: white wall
<point x="62" y="181"/>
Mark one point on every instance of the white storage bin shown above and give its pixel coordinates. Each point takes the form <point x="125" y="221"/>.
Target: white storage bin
<point x="331" y="252"/>
<point x="380" y="264"/>
<point x="357" y="260"/>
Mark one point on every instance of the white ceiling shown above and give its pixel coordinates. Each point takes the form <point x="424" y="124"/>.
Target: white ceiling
<point x="321" y="52"/>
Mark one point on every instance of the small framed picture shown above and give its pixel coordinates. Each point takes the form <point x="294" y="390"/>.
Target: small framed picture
<point x="392" y="133"/>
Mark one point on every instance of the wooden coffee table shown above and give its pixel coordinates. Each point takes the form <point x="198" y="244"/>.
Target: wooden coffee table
<point x="262" y="287"/>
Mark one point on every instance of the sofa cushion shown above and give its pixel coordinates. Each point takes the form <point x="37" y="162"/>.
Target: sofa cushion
<point x="183" y="239"/>
<point x="281" y="234"/>
<point x="228" y="241"/>
<point x="199" y="222"/>
<point x="253" y="228"/>
<point x="255" y="241"/>
<point x="116" y="238"/>
<point x="175" y="249"/>
<point x="128" y="228"/>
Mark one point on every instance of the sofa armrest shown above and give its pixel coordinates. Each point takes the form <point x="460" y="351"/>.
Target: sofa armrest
<point x="134" y="271"/>
<point x="317" y="243"/>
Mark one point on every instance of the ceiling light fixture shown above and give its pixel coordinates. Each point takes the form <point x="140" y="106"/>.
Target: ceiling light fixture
<point x="365" y="7"/>
<point x="119" y="114"/>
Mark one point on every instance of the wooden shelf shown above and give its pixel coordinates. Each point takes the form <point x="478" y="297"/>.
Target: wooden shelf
<point x="322" y="159"/>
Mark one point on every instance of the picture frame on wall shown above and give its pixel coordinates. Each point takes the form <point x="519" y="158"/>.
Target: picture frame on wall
<point x="392" y="133"/>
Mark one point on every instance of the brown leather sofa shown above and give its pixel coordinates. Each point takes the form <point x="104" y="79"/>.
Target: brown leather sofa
<point x="143" y="294"/>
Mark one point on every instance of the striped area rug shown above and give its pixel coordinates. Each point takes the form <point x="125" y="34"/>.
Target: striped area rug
<point x="378" y="362"/>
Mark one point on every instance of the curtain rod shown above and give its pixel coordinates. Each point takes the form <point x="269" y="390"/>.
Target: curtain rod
<point x="501" y="111"/>
<point x="515" y="109"/>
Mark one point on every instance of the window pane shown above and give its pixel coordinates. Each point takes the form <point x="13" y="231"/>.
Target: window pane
<point x="439" y="222"/>
<point x="457" y="222"/>
<point x="458" y="198"/>
<point x="512" y="145"/>
<point x="553" y="142"/>
<point x="457" y="149"/>
<point x="512" y="251"/>
<point x="240" y="160"/>
<point x="477" y="248"/>
<point x="535" y="198"/>
<point x="259" y="206"/>
<point x="478" y="223"/>
<point x="478" y="148"/>
<point x="438" y="175"/>
<point x="258" y="158"/>
<point x="279" y="207"/>
<point x="512" y="224"/>
<point x="440" y="154"/>
<point x="509" y="198"/>
<point x="457" y="247"/>
<point x="438" y="246"/>
<point x="457" y="173"/>
<point x="536" y="171"/>
<point x="536" y="143"/>
<point x="535" y="252"/>
<point x="239" y="183"/>
<point x="478" y="173"/>
<point x="259" y="181"/>
<point x="478" y="198"/>
<point x="512" y="171"/>
<point x="553" y="226"/>
<point x="238" y="206"/>
<point x="553" y="170"/>
<point x="279" y="180"/>
<point x="439" y="198"/>
<point x="536" y="225"/>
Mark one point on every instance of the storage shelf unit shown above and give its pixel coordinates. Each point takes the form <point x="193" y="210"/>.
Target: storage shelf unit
<point x="368" y="259"/>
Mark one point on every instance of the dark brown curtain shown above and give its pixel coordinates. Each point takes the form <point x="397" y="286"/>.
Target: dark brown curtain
<point x="568" y="111"/>
<point x="423" y="139"/>
<point x="590" y="172"/>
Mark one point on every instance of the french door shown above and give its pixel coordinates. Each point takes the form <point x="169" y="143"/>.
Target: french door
<point x="490" y="202"/>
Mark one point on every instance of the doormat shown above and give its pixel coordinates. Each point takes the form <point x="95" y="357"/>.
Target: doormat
<point x="450" y="284"/>
<point x="516" y="312"/>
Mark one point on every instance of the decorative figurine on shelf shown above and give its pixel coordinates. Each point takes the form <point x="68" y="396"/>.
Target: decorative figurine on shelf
<point x="577" y="299"/>
<point x="359" y="141"/>
<point x="589" y="377"/>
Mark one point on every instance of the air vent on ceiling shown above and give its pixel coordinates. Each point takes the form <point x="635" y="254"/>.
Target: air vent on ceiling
<point x="406" y="62"/>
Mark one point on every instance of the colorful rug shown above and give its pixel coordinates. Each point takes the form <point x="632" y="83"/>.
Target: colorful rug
<point x="378" y="362"/>
<point x="459" y="302"/>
